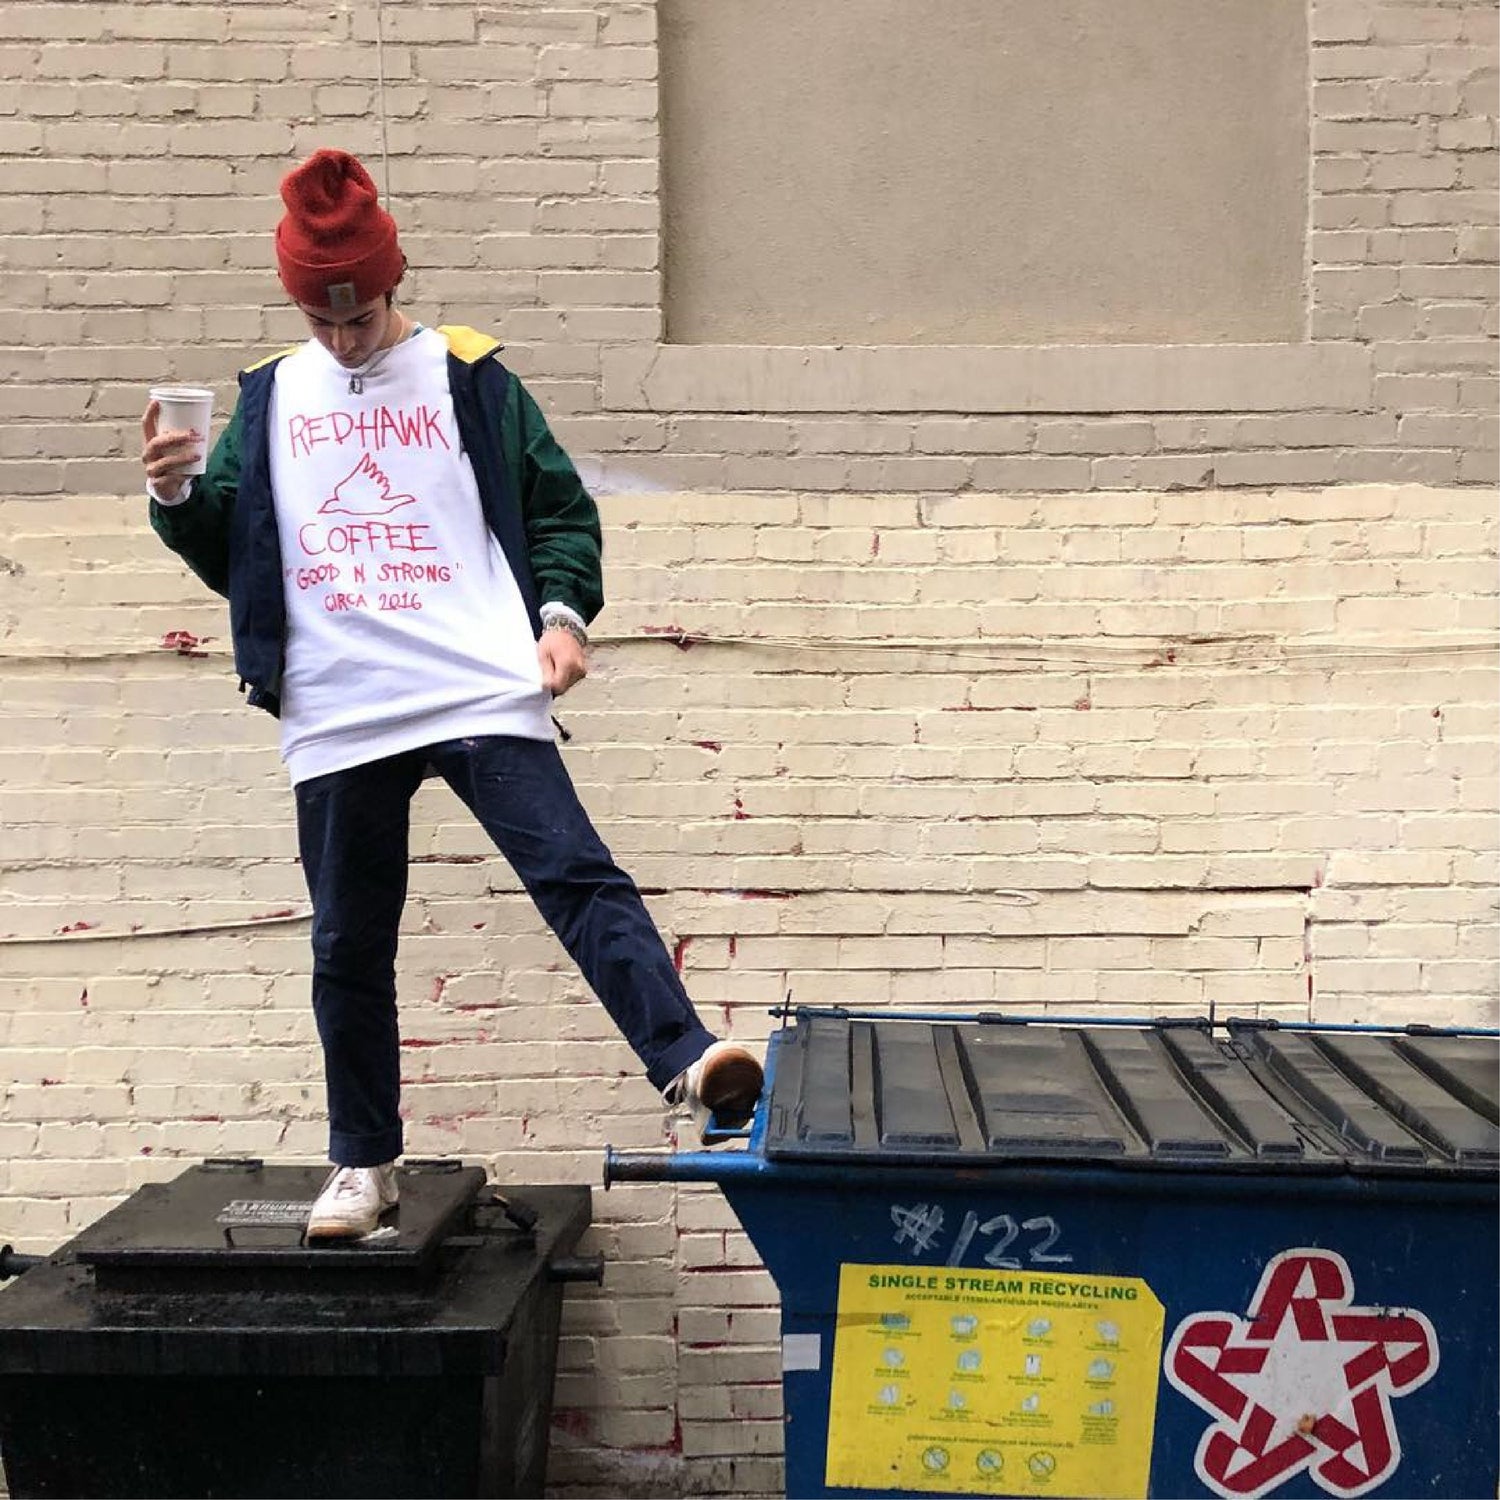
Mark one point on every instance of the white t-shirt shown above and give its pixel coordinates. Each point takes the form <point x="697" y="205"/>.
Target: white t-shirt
<point x="404" y="622"/>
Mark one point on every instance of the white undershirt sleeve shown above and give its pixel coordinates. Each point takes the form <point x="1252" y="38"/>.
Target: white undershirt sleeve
<point x="177" y="499"/>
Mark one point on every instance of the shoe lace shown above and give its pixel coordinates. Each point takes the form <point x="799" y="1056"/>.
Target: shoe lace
<point x="347" y="1184"/>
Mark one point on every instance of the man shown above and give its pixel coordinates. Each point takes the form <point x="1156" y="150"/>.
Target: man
<point x="411" y="563"/>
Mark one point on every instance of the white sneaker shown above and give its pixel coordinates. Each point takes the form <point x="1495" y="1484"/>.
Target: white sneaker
<point x="723" y="1085"/>
<point x="351" y="1202"/>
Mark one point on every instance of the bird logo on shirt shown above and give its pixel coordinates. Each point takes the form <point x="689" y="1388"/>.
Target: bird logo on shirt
<point x="364" y="491"/>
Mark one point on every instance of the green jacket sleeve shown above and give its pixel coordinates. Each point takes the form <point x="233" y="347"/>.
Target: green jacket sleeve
<point x="198" y="529"/>
<point x="561" y="519"/>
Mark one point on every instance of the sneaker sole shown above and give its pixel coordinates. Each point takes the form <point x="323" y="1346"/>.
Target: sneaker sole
<point x="333" y="1230"/>
<point x="731" y="1088"/>
<point x="336" y="1232"/>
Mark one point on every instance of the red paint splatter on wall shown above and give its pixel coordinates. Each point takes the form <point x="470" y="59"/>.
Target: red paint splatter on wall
<point x="679" y="637"/>
<point x="185" y="643"/>
<point x="571" y="1420"/>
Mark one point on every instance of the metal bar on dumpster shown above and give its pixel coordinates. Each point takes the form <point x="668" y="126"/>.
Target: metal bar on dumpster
<point x="748" y="1169"/>
<point x="1004" y="1018"/>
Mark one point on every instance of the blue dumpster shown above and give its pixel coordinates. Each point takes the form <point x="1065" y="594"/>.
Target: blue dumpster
<point x="1125" y="1258"/>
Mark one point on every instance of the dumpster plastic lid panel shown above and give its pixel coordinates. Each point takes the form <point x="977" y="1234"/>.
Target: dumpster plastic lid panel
<point x="1152" y="1096"/>
<point x="1384" y="1107"/>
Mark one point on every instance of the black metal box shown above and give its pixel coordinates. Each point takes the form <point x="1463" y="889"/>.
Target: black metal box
<point x="189" y="1343"/>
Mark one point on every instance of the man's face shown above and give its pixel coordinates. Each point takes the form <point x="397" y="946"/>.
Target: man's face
<point x="352" y="334"/>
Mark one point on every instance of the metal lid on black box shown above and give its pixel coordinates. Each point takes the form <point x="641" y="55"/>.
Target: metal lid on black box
<point x="238" y="1219"/>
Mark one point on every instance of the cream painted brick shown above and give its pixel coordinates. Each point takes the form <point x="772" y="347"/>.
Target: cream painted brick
<point x="603" y="100"/>
<point x="1417" y="392"/>
<point x="339" y="63"/>
<point x="1340" y="174"/>
<point x="1479" y="979"/>
<point x="623" y="24"/>
<point x="1420" y="101"/>
<point x="1394" y="867"/>
<point x="730" y="435"/>
<point x="1439" y="208"/>
<point x="1397" y="23"/>
<point x="1235" y="994"/>
<point x="1466" y="135"/>
<point x="1366" y="976"/>
<point x="1375" y="786"/>
<point x="610" y="63"/>
<point x="1360" y="61"/>
<point x="1454" y="320"/>
<point x="1478" y="243"/>
<point x="874" y="436"/>
<point x="1153" y="473"/>
<point x="1394" y="172"/>
<point x="916" y="473"/>
<point x="596" y="137"/>
<point x="974" y="435"/>
<point x="1341" y="21"/>
<point x="1370" y="211"/>
<point x="277" y="23"/>
<point x="534" y="25"/>
<point x="1031" y="473"/>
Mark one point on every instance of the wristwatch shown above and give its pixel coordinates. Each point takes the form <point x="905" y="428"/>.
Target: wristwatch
<point x="563" y="622"/>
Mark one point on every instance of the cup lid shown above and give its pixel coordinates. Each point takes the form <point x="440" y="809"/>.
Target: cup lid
<point x="180" y="393"/>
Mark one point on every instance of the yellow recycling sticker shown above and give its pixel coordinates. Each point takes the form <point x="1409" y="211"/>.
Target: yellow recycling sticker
<point x="981" y="1382"/>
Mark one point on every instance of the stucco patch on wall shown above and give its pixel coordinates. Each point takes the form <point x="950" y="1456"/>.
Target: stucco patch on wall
<point x="984" y="171"/>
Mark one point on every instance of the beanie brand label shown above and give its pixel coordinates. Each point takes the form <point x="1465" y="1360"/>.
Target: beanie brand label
<point x="341" y="295"/>
<point x="380" y="427"/>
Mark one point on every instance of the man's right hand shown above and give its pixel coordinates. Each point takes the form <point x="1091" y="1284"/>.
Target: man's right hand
<point x="165" y="455"/>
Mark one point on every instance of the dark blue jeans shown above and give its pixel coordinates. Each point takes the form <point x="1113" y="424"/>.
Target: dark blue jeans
<point x="352" y="827"/>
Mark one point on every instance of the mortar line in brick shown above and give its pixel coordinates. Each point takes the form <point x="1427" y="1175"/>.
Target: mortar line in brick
<point x="1309" y="224"/>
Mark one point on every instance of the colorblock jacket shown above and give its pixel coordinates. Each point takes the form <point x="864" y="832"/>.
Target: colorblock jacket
<point x="534" y="503"/>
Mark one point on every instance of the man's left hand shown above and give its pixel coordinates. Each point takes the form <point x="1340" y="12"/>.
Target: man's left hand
<point x="562" y="660"/>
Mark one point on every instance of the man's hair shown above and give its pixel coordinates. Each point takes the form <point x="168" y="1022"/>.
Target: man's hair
<point x="390" y="296"/>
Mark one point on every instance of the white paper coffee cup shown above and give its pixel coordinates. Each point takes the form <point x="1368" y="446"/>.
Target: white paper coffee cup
<point x="186" y="408"/>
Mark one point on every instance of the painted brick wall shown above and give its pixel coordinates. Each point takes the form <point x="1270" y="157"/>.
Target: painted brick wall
<point x="889" y="706"/>
<point x="142" y="145"/>
<point x="1165" y="753"/>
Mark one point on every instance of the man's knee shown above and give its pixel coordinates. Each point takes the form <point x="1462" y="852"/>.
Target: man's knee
<point x="365" y="952"/>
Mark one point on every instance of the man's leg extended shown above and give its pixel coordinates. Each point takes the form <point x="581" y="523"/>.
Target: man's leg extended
<point x="352" y="830"/>
<point x="522" y="795"/>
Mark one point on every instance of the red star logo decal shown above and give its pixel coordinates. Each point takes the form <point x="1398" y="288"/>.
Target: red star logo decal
<point x="1304" y="1381"/>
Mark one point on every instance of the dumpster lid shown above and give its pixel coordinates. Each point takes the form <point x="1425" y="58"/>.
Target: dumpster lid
<point x="1149" y="1095"/>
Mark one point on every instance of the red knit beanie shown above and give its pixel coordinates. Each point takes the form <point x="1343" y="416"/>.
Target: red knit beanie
<point x="335" y="247"/>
